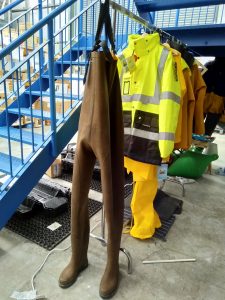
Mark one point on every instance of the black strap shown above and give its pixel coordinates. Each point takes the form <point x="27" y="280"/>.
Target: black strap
<point x="103" y="20"/>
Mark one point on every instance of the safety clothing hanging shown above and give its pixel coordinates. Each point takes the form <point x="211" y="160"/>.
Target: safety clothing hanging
<point x="151" y="98"/>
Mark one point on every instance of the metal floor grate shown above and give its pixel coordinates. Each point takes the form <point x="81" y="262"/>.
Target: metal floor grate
<point x="36" y="229"/>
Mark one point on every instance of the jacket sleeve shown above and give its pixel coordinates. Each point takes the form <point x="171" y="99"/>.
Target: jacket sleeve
<point x="169" y="106"/>
<point x="199" y="87"/>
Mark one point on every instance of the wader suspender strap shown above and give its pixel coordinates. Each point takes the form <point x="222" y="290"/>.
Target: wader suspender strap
<point x="104" y="19"/>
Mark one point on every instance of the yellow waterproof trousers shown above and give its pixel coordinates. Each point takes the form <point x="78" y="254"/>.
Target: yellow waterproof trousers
<point x="145" y="217"/>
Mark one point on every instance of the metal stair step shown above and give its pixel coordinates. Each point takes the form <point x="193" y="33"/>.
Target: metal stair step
<point x="73" y="63"/>
<point x="63" y="78"/>
<point x="85" y="42"/>
<point x="47" y="94"/>
<point x="15" y="135"/>
<point x="5" y="163"/>
<point x="36" y="113"/>
<point x="82" y="48"/>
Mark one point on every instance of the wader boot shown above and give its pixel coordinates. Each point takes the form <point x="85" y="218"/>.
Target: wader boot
<point x="100" y="136"/>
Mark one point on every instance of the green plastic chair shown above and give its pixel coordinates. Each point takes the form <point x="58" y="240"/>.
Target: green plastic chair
<point x="191" y="163"/>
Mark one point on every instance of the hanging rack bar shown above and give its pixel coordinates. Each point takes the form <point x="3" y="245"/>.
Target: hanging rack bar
<point x="140" y="20"/>
<point x="129" y="14"/>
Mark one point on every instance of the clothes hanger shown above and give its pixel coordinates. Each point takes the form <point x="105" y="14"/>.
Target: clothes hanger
<point x="203" y="68"/>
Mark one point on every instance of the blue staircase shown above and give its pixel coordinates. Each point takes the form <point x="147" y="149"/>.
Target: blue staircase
<point x="46" y="85"/>
<point x="26" y="152"/>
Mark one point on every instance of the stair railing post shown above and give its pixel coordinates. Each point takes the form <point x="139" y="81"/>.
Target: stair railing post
<point x="177" y="17"/>
<point x="40" y="16"/>
<point x="52" y="84"/>
<point x="80" y="22"/>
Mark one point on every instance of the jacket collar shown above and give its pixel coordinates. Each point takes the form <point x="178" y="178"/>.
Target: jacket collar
<point x="142" y="44"/>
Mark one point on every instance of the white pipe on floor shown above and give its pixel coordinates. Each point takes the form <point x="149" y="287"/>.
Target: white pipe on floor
<point x="168" y="260"/>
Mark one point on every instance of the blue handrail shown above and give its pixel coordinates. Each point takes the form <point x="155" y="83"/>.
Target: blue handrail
<point x="10" y="6"/>
<point x="8" y="49"/>
<point x="17" y="18"/>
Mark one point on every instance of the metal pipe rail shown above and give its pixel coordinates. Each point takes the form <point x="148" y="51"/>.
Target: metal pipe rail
<point x="10" y="6"/>
<point x="35" y="28"/>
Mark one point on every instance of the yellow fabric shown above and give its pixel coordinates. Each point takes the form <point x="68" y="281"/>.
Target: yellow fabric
<point x="177" y="60"/>
<point x="146" y="183"/>
<point x="188" y="106"/>
<point x="143" y="79"/>
<point x="141" y="171"/>
<point x="199" y="88"/>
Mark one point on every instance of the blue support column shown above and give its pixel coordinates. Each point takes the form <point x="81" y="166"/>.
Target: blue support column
<point x="52" y="84"/>
<point x="145" y="15"/>
<point x="152" y="17"/>
<point x="80" y="22"/>
<point x="177" y="17"/>
<point x="40" y="16"/>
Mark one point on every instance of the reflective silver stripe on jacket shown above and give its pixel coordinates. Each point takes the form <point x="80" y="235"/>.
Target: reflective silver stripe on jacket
<point x="125" y="66"/>
<point x="167" y="136"/>
<point x="141" y="133"/>
<point x="155" y="99"/>
<point x="170" y="96"/>
<point x="122" y="58"/>
<point x="162" y="62"/>
<point x="140" y="98"/>
<point x="154" y="136"/>
<point x="151" y="99"/>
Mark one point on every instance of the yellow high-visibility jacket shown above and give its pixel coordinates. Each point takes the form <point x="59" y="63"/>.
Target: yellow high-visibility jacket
<point x="151" y="98"/>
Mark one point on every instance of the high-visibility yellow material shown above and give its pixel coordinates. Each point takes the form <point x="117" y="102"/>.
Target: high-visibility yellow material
<point x="149" y="84"/>
<point x="177" y="60"/>
<point x="145" y="218"/>
<point x="141" y="171"/>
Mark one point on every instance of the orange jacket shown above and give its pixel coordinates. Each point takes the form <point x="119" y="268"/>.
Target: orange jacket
<point x="187" y="110"/>
<point x="199" y="88"/>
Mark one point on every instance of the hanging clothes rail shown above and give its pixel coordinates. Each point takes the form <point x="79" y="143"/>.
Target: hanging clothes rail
<point x="175" y="43"/>
<point x="141" y="21"/>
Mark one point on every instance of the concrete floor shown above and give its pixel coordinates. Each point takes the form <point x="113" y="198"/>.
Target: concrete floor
<point x="197" y="233"/>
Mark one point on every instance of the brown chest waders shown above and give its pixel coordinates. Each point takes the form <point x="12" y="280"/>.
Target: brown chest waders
<point x="100" y="135"/>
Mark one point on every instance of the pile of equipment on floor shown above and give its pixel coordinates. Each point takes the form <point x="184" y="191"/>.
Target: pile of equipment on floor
<point x="48" y="196"/>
